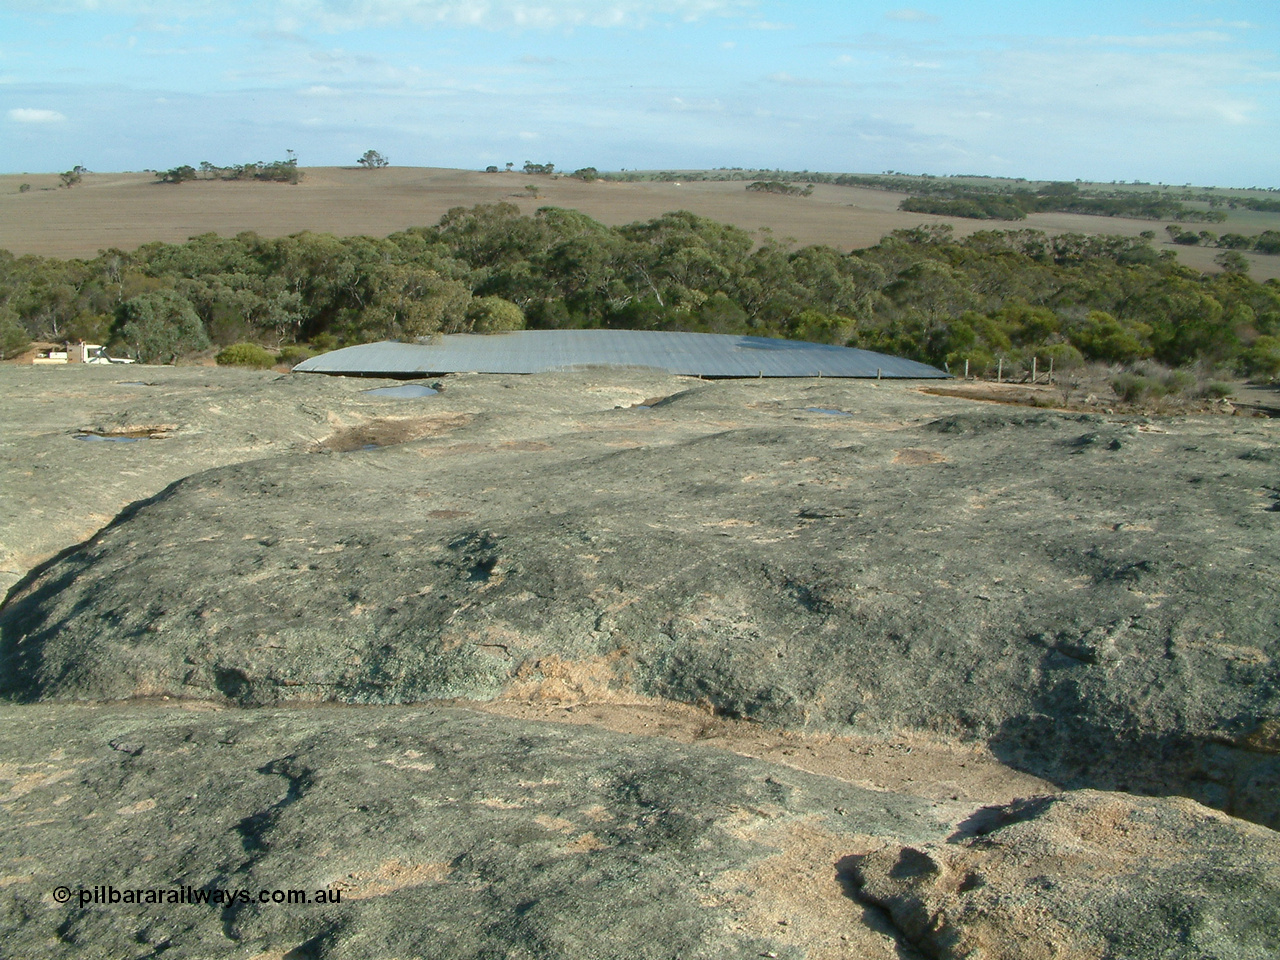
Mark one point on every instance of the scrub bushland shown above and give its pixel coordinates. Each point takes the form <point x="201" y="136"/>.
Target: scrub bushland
<point x="996" y="297"/>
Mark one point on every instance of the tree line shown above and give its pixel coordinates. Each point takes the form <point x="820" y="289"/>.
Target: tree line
<point x="275" y="171"/>
<point x="780" y="186"/>
<point x="998" y="295"/>
<point x="986" y="198"/>
<point x="1268" y="241"/>
<point x="985" y="203"/>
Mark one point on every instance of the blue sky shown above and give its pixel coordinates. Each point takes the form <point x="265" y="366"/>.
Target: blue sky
<point x="1175" y="91"/>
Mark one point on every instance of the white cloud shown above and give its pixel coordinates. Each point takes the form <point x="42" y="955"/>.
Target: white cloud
<point x="282" y="36"/>
<point x="910" y="16"/>
<point x="131" y="8"/>
<point x="1197" y="39"/>
<point x="696" y="105"/>
<point x="320" y="91"/>
<point x="338" y="15"/>
<point x="23" y="115"/>
<point x="782" y="78"/>
<point x="1222" y="24"/>
<point x="1167" y="90"/>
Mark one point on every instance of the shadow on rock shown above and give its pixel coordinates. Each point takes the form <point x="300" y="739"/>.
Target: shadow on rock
<point x="23" y="629"/>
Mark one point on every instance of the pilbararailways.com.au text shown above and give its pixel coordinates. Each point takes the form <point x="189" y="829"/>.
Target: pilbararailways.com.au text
<point x="108" y="895"/>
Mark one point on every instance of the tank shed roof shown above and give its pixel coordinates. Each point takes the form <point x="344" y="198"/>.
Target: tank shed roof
<point x="689" y="354"/>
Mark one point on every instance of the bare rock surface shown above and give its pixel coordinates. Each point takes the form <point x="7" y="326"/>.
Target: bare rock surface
<point x="144" y="427"/>
<point x="80" y="443"/>
<point x="1096" y="598"/>
<point x="448" y="833"/>
<point x="822" y="656"/>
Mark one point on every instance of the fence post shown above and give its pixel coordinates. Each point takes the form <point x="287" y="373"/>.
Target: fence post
<point x="966" y="369"/>
<point x="1000" y="370"/>
<point x="1035" y="364"/>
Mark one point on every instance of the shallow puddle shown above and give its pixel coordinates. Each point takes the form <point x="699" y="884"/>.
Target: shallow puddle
<point x="98" y="438"/>
<point x="407" y="391"/>
<point x="828" y="411"/>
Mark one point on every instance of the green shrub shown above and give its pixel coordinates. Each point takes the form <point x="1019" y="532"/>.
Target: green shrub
<point x="494" y="315"/>
<point x="1103" y="337"/>
<point x="160" y="327"/>
<point x="245" y="355"/>
<point x="1063" y="355"/>
<point x="324" y="342"/>
<point x="1179" y="381"/>
<point x="1262" y="360"/>
<point x="981" y="362"/>
<point x="1133" y="387"/>
<point x="1216" y="390"/>
<point x="293" y="354"/>
<point x="1232" y="261"/>
<point x="13" y="338"/>
<point x="178" y="174"/>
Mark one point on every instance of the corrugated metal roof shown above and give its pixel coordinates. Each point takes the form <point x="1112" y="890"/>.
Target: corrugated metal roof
<point x="689" y="354"/>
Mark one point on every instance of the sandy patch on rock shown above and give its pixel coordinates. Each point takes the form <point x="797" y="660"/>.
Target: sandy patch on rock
<point x="389" y="877"/>
<point x="799" y="897"/>
<point x="390" y="431"/>
<point x="948" y="773"/>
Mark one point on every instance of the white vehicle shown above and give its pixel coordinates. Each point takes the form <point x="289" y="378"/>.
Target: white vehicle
<point x="95" y="353"/>
<point x="80" y="353"/>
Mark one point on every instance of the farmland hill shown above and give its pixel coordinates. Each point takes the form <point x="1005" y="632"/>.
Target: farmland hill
<point x="126" y="210"/>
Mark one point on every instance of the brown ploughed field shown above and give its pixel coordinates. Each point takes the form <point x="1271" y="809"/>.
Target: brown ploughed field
<point x="126" y="210"/>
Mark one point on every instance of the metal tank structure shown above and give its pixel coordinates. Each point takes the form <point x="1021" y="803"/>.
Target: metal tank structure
<point x="712" y="355"/>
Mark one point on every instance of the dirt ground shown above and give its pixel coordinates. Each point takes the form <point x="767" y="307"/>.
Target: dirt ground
<point x="1089" y="390"/>
<point x="126" y="210"/>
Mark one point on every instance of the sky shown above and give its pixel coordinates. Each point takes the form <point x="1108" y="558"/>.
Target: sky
<point x="1176" y="91"/>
